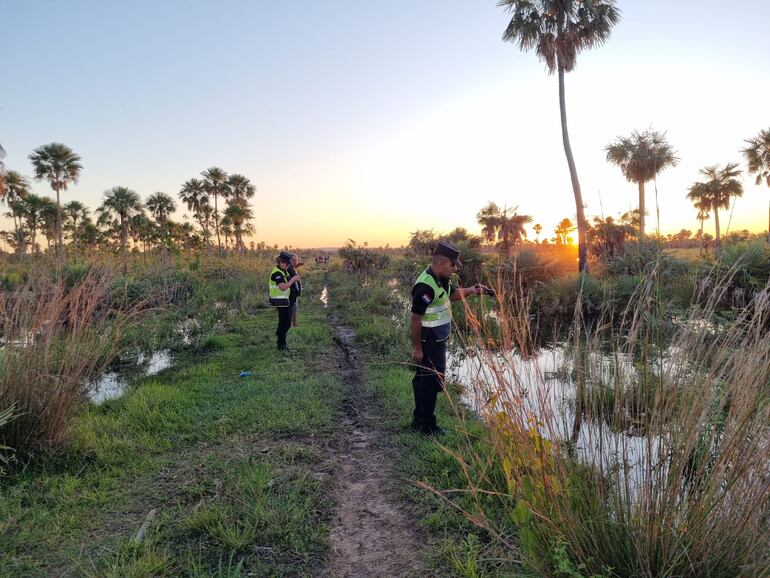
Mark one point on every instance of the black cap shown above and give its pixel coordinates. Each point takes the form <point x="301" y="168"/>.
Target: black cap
<point x="284" y="256"/>
<point x="446" y="249"/>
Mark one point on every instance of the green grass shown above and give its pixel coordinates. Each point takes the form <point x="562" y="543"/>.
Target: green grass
<point x="236" y="469"/>
<point x="230" y="465"/>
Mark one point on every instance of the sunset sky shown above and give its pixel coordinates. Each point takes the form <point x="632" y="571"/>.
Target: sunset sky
<point x="368" y="120"/>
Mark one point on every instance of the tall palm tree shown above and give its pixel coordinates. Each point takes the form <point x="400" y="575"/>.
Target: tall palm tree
<point x="193" y="194"/>
<point x="75" y="214"/>
<point x="240" y="216"/>
<point x="161" y="206"/>
<point x="59" y="165"/>
<point x="215" y="182"/>
<point x="558" y="30"/>
<point x="119" y="205"/>
<point x="641" y="157"/>
<point x="717" y="192"/>
<point x="16" y="188"/>
<point x="241" y="189"/>
<point x="758" y="156"/>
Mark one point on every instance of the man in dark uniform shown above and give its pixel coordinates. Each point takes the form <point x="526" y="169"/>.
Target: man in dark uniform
<point x="430" y="326"/>
<point x="280" y="285"/>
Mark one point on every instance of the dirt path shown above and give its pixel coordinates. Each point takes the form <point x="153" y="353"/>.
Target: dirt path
<point x="371" y="533"/>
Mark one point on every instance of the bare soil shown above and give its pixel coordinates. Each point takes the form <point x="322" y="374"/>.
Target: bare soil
<point x="371" y="533"/>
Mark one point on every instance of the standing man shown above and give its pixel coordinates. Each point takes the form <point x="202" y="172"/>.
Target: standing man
<point x="280" y="285"/>
<point x="296" y="289"/>
<point x="430" y="328"/>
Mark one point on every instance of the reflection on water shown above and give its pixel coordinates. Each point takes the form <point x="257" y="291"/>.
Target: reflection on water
<point x="325" y="296"/>
<point x="115" y="381"/>
<point x="540" y="392"/>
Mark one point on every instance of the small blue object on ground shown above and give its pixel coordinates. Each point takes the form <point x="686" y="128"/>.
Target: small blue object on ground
<point x="246" y="374"/>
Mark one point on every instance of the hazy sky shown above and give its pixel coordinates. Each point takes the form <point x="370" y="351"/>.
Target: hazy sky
<point x="371" y="119"/>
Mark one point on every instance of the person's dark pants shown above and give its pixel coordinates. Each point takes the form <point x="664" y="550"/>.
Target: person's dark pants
<point x="284" y="323"/>
<point x="428" y="381"/>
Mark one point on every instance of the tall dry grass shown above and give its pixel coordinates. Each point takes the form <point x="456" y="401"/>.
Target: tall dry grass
<point x="624" y="452"/>
<point x="56" y="336"/>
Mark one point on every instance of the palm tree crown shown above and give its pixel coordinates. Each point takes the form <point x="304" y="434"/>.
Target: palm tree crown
<point x="758" y="156"/>
<point x="59" y="165"/>
<point x="241" y="189"/>
<point x="161" y="206"/>
<point x="641" y="157"/>
<point x="559" y="30"/>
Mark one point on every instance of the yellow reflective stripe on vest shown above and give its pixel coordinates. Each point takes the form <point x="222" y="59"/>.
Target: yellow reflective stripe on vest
<point x="438" y="308"/>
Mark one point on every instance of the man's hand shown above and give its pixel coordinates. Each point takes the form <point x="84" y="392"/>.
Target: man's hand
<point x="417" y="355"/>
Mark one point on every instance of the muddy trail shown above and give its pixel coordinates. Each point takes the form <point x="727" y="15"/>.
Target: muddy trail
<point x="371" y="532"/>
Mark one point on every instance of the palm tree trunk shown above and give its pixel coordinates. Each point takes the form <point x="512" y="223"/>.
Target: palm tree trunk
<point x="641" y="210"/>
<point x="216" y="224"/>
<point x="59" y="244"/>
<point x="700" y="242"/>
<point x="581" y="218"/>
<point x="123" y="243"/>
<point x="718" y="246"/>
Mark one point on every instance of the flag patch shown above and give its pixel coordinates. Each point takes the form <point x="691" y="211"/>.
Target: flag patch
<point x="427" y="298"/>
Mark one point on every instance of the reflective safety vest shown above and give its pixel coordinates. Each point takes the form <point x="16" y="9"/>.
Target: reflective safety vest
<point x="439" y="311"/>
<point x="278" y="297"/>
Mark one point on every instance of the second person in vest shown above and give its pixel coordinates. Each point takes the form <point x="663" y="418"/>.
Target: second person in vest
<point x="281" y="282"/>
<point x="431" y="326"/>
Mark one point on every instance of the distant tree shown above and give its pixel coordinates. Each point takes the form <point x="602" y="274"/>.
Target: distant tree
<point x="563" y="230"/>
<point x="60" y="166"/>
<point x="48" y="219"/>
<point x="641" y="157"/>
<point x="512" y="230"/>
<point x="716" y="193"/>
<point x="161" y="206"/>
<point x="226" y="228"/>
<point x="31" y="211"/>
<point x="538" y="229"/>
<point x="489" y="219"/>
<point x="16" y="188"/>
<point x="559" y="30"/>
<point x="216" y="185"/>
<point x="608" y="238"/>
<point x="195" y="196"/>
<point x="239" y="216"/>
<point x="119" y="205"/>
<point x="74" y="214"/>
<point x="422" y="242"/>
